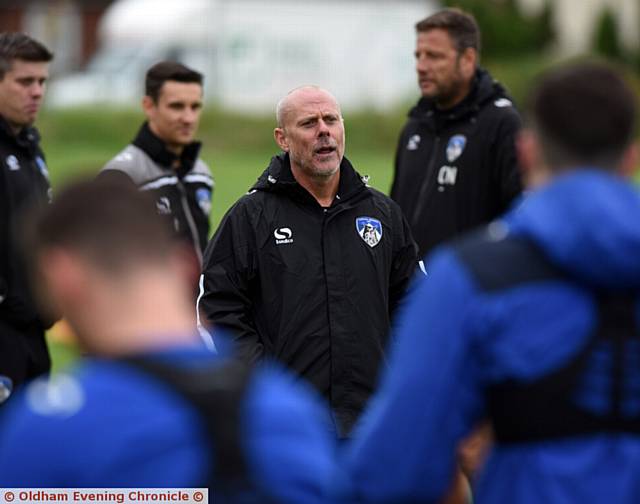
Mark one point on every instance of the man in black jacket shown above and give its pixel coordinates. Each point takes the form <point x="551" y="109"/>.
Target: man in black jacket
<point x="455" y="165"/>
<point x="24" y="184"/>
<point x="310" y="264"/>
<point x="163" y="159"/>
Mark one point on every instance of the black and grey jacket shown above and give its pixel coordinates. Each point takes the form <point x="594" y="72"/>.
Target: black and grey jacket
<point x="182" y="194"/>
<point x="315" y="287"/>
<point x="456" y="169"/>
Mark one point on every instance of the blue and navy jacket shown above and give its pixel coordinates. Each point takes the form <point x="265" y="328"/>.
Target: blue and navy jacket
<point x="484" y="318"/>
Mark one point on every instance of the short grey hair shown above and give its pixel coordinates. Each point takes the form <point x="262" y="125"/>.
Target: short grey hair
<point x="282" y="108"/>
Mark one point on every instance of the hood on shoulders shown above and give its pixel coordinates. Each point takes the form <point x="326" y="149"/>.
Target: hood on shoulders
<point x="588" y="223"/>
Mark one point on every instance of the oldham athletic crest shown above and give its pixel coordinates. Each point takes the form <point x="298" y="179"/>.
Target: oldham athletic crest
<point x="455" y="147"/>
<point x="370" y="230"/>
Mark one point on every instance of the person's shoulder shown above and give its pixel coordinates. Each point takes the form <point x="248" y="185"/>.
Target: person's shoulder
<point x="127" y="160"/>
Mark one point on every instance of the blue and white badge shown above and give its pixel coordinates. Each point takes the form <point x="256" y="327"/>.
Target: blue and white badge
<point x="455" y="147"/>
<point x="6" y="387"/>
<point x="369" y="229"/>
<point x="43" y="167"/>
<point x="203" y="197"/>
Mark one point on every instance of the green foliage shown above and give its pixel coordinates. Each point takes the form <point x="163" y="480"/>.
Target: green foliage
<point x="606" y="42"/>
<point x="505" y="31"/>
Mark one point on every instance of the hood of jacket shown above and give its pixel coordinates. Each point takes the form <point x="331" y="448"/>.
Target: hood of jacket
<point x="484" y="89"/>
<point x="279" y="178"/>
<point x="586" y="222"/>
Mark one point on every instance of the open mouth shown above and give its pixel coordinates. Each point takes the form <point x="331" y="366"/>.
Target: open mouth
<point x="323" y="151"/>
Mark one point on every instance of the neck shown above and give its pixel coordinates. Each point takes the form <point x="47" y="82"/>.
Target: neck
<point x="145" y="312"/>
<point x="323" y="189"/>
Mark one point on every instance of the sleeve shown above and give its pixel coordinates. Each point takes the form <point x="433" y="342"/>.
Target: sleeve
<point x="506" y="171"/>
<point x="429" y="398"/>
<point x="4" y="240"/>
<point x="288" y="432"/>
<point x="393" y="193"/>
<point x="228" y="282"/>
<point x="405" y="264"/>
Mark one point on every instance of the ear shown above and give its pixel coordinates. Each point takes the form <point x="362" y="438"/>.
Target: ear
<point x="530" y="160"/>
<point x="630" y="159"/>
<point x="148" y="105"/>
<point x="281" y="139"/>
<point x="61" y="280"/>
<point x="468" y="62"/>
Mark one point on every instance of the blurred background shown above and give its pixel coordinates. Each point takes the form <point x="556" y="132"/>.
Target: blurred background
<point x="253" y="51"/>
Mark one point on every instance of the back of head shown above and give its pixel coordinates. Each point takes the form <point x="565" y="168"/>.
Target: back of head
<point x="461" y="27"/>
<point x="19" y="46"/>
<point x="584" y="114"/>
<point x="114" y="229"/>
<point x="165" y="71"/>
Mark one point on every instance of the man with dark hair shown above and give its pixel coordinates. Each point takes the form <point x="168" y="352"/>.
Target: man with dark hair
<point x="290" y="271"/>
<point x="455" y="165"/>
<point x="532" y="321"/>
<point x="163" y="158"/>
<point x="150" y="406"/>
<point x="24" y="184"/>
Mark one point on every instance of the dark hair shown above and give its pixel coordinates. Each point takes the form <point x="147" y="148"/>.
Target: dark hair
<point x="19" y="46"/>
<point x="112" y="224"/>
<point x="165" y="71"/>
<point x="461" y="27"/>
<point x="584" y="113"/>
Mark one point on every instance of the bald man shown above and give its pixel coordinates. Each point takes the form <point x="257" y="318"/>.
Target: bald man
<point x="310" y="264"/>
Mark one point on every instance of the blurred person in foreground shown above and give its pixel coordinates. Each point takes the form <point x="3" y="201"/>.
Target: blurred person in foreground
<point x="455" y="165"/>
<point x="150" y="406"/>
<point x="163" y="159"/>
<point x="532" y="321"/>
<point x="309" y="266"/>
<point x="24" y="185"/>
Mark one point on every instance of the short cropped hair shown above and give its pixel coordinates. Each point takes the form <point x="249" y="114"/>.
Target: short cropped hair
<point x="461" y="27"/>
<point x="165" y="71"/>
<point x="19" y="46"/>
<point x="583" y="114"/>
<point x="113" y="233"/>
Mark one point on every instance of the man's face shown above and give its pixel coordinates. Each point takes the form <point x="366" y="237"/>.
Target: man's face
<point x="443" y="73"/>
<point x="22" y="91"/>
<point x="312" y="133"/>
<point x="175" y="116"/>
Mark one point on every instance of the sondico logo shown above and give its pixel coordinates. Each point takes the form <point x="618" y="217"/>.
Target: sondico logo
<point x="283" y="235"/>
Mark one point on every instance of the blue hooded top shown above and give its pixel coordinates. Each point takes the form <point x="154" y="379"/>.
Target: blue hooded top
<point x="455" y="339"/>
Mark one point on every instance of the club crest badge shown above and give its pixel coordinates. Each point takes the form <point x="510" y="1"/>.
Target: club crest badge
<point x="370" y="230"/>
<point x="203" y="196"/>
<point x="455" y="147"/>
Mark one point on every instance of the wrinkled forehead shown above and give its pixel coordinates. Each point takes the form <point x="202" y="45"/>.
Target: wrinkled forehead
<point x="310" y="102"/>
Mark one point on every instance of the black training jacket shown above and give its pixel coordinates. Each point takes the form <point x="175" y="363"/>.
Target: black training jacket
<point x="299" y="282"/>
<point x="457" y="169"/>
<point x="24" y="185"/>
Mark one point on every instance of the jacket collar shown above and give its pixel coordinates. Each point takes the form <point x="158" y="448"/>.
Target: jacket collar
<point x="279" y="178"/>
<point x="28" y="137"/>
<point x="157" y="150"/>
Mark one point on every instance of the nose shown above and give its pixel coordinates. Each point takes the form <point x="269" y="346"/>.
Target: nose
<point x="37" y="89"/>
<point x="421" y="65"/>
<point x="323" y="128"/>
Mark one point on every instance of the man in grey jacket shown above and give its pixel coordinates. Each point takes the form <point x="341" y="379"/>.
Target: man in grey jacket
<point x="163" y="157"/>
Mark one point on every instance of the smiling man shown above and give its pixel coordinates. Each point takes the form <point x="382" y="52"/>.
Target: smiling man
<point x="455" y="165"/>
<point x="310" y="264"/>
<point x="24" y="184"/>
<point x="163" y="157"/>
